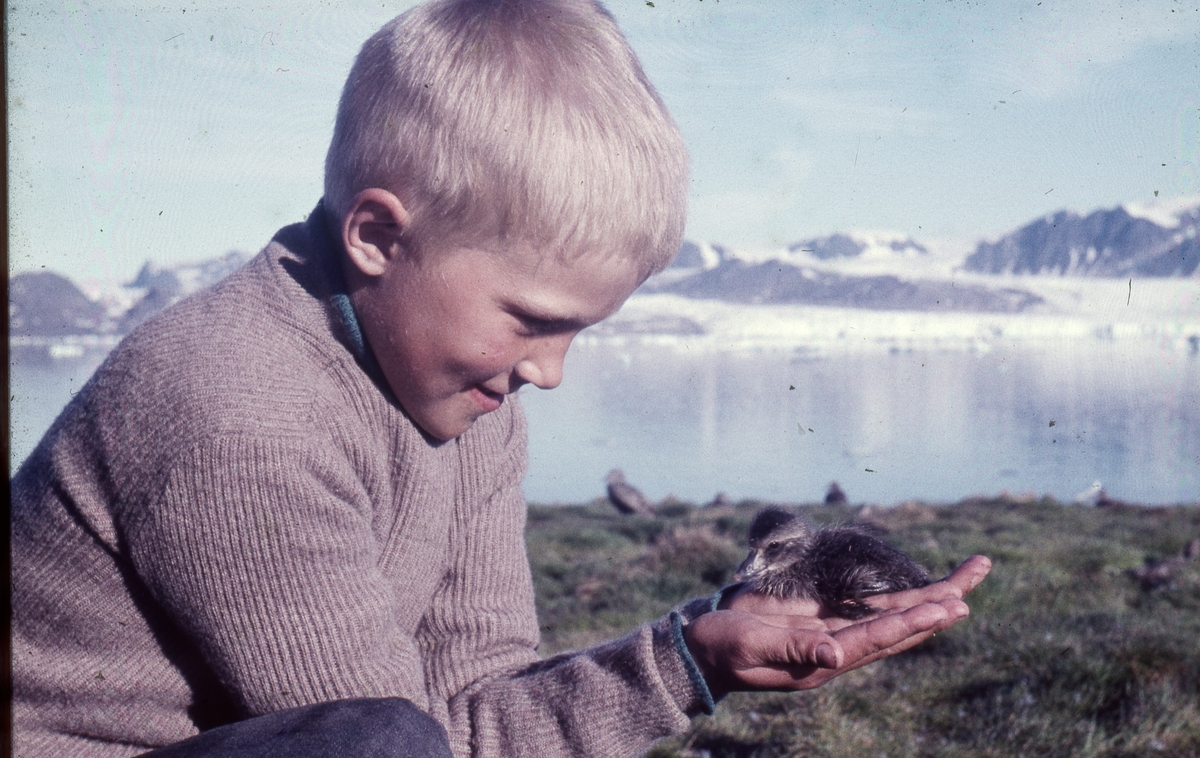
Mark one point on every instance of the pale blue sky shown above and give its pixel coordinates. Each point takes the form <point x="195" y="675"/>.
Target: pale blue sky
<point x="143" y="130"/>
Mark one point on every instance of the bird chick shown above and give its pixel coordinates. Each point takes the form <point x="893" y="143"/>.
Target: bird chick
<point x="836" y="566"/>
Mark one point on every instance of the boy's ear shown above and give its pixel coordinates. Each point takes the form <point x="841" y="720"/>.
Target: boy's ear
<point x="372" y="230"/>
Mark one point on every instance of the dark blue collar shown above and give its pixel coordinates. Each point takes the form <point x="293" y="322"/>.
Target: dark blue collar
<point x="358" y="343"/>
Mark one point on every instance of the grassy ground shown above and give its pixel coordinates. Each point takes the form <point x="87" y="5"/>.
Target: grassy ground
<point x="1064" y="654"/>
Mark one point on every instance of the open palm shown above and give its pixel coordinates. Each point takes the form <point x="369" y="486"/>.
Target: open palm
<point x="756" y="642"/>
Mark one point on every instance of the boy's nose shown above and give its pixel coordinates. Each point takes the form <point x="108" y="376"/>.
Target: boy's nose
<point x="543" y="366"/>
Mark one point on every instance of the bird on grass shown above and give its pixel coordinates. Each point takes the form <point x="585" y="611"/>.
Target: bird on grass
<point x="836" y="566"/>
<point x="835" y="495"/>
<point x="625" y="497"/>
<point x="1156" y="573"/>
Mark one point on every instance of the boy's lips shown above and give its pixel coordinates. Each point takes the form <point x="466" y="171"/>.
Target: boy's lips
<point x="487" y="400"/>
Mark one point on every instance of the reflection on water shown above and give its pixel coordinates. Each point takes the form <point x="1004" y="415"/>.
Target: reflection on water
<point x="888" y="427"/>
<point x="779" y="426"/>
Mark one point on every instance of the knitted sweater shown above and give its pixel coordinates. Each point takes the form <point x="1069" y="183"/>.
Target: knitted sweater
<point x="234" y="516"/>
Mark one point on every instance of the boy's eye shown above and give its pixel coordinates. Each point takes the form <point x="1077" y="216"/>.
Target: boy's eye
<point x="532" y="326"/>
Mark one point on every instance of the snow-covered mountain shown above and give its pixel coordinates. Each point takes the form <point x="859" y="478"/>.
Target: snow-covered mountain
<point x="860" y="245"/>
<point x="48" y="305"/>
<point x="876" y="271"/>
<point x="854" y="252"/>
<point x="826" y="277"/>
<point x="160" y="287"/>
<point x="1134" y="240"/>
<point x="780" y="281"/>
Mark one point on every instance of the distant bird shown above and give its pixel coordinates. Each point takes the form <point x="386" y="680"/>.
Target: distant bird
<point x="835" y="495"/>
<point x="1092" y="495"/>
<point x="836" y="566"/>
<point x="625" y="497"/>
<point x="1155" y="574"/>
<point x="720" y="500"/>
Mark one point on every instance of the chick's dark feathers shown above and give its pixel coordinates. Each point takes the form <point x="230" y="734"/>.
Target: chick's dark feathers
<point x="837" y="566"/>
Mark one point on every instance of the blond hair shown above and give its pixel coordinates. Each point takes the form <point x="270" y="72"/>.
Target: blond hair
<point x="528" y="122"/>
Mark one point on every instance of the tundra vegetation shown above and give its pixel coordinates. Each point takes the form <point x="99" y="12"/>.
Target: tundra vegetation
<point x="1067" y="652"/>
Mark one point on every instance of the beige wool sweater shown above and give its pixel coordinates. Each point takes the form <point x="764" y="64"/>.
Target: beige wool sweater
<point x="235" y="517"/>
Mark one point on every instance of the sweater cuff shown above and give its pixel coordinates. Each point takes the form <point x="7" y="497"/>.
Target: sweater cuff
<point x="702" y="699"/>
<point x="697" y="607"/>
<point x="719" y="596"/>
<point x="687" y="613"/>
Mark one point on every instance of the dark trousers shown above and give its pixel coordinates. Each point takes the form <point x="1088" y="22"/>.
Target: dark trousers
<point x="365" y="728"/>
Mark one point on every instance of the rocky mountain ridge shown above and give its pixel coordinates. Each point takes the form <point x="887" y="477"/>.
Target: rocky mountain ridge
<point x="48" y="305"/>
<point x="1143" y="240"/>
<point x="849" y="270"/>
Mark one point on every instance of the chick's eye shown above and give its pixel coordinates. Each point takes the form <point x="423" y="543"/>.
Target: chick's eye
<point x="773" y="545"/>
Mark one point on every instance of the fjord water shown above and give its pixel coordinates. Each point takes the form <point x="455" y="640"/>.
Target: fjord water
<point x="780" y="425"/>
<point x="40" y="386"/>
<point x="888" y="426"/>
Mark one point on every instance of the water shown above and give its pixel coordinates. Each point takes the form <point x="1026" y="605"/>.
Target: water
<point x="39" y="387"/>
<point x="780" y="426"/>
<point x="887" y="426"/>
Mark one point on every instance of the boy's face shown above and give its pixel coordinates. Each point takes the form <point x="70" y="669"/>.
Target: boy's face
<point x="455" y="331"/>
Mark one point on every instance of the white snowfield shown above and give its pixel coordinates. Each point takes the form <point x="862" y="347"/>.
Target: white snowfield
<point x="1160" y="312"/>
<point x="1166" y="212"/>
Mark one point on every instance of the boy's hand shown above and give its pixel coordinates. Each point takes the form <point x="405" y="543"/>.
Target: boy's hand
<point x="760" y="643"/>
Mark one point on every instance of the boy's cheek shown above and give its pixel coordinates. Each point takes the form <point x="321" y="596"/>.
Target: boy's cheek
<point x="487" y="358"/>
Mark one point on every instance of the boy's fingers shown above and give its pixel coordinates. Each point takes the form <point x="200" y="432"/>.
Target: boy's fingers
<point x="820" y="650"/>
<point x="892" y="633"/>
<point x="790" y="646"/>
<point x="963" y="579"/>
<point x="968" y="575"/>
<point x="796" y="658"/>
<point x="737" y="650"/>
<point x="808" y="663"/>
<point x="783" y="650"/>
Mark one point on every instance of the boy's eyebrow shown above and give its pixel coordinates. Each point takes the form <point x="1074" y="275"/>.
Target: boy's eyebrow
<point x="545" y="319"/>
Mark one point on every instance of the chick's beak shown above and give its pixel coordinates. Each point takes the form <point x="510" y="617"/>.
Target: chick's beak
<point x="751" y="566"/>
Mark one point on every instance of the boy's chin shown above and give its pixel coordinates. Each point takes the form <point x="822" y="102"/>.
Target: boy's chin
<point x="445" y="430"/>
<point x="452" y="419"/>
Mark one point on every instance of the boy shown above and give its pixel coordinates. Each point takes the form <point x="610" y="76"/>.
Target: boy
<point x="286" y="516"/>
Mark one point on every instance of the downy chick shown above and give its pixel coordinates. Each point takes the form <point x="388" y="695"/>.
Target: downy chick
<point x="836" y="566"/>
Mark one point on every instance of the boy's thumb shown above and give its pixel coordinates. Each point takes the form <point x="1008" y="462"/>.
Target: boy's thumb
<point x="815" y="649"/>
<point x="827" y="656"/>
